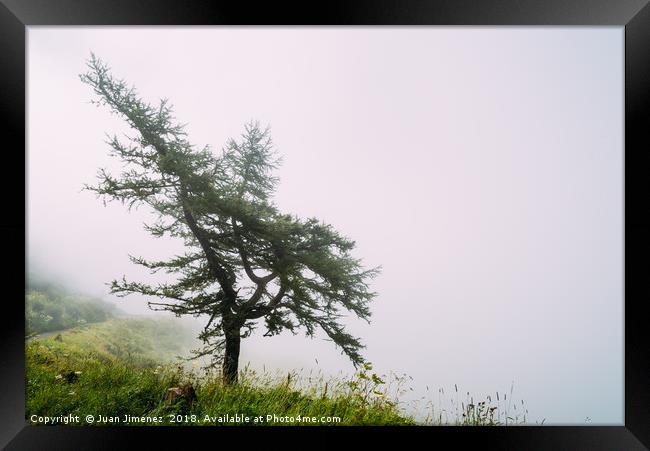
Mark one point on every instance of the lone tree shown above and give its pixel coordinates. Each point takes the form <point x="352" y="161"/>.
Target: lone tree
<point x="244" y="260"/>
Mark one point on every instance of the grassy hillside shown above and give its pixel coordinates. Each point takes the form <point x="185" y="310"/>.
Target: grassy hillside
<point x="123" y="367"/>
<point x="51" y="307"/>
<point x="85" y="358"/>
<point x="142" y="342"/>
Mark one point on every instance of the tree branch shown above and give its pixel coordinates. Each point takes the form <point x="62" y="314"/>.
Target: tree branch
<point x="260" y="281"/>
<point x="266" y="309"/>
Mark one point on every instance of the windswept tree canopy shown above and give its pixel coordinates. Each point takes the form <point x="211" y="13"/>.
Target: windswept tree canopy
<point x="245" y="260"/>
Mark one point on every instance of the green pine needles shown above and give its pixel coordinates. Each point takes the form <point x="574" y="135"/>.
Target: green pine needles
<point x="245" y="260"/>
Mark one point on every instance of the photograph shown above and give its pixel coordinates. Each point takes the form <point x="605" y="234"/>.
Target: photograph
<point x="324" y="226"/>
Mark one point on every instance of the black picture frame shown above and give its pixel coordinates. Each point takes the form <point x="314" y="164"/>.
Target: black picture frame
<point x="634" y="15"/>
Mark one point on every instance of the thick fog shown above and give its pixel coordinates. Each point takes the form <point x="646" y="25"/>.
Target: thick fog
<point x="482" y="168"/>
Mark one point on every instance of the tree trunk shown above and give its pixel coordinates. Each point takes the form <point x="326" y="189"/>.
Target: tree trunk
<point x="231" y="357"/>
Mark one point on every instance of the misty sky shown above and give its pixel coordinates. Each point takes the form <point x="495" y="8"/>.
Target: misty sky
<point x="481" y="167"/>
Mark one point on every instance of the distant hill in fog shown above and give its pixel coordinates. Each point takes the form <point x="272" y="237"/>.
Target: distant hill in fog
<point x="51" y="306"/>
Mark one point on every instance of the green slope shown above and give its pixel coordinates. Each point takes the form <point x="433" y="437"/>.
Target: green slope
<point x="124" y="367"/>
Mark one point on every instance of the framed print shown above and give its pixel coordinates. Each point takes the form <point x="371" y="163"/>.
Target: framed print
<point x="368" y="214"/>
